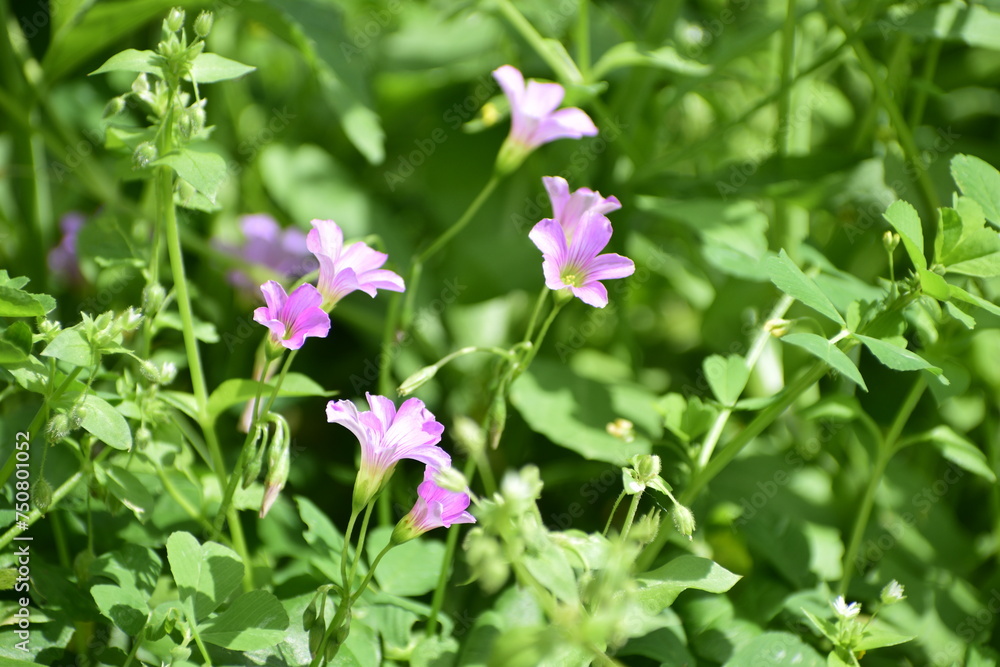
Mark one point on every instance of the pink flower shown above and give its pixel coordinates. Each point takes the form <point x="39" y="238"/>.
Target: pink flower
<point x="435" y="508"/>
<point x="568" y="209"/>
<point x="575" y="263"/>
<point x="387" y="437"/>
<point x="344" y="270"/>
<point x="292" y="318"/>
<point x="267" y="244"/>
<point x="534" y="119"/>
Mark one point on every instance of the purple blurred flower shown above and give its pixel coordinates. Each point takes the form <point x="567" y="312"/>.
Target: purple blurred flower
<point x="534" y="119"/>
<point x="387" y="437"/>
<point x="62" y="258"/>
<point x="292" y="318"/>
<point x="568" y="209"/>
<point x="267" y="244"/>
<point x="344" y="270"/>
<point x="435" y="508"/>
<point x="575" y="263"/>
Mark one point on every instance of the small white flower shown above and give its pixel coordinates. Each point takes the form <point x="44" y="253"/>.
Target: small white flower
<point x="892" y="593"/>
<point x="844" y="610"/>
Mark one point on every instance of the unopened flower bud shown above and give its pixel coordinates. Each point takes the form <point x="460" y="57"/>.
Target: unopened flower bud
<point x="141" y="84"/>
<point x="203" y="24"/>
<point x="144" y="154"/>
<point x="646" y="465"/>
<point x="256" y="462"/>
<point x="451" y="479"/>
<point x="316" y="633"/>
<point x="892" y="593"/>
<point x="646" y="527"/>
<point x="76" y="417"/>
<point x="622" y="429"/>
<point x="468" y="435"/>
<point x="278" y="464"/>
<point x="48" y="329"/>
<point x="497" y="419"/>
<point x="683" y="520"/>
<point x="152" y="298"/>
<point x="143" y="436"/>
<point x="890" y="240"/>
<point x="778" y="326"/>
<point x="418" y="379"/>
<point x="114" y="107"/>
<point x="175" y="19"/>
<point x="57" y="428"/>
<point x="129" y="319"/>
<point x="41" y="493"/>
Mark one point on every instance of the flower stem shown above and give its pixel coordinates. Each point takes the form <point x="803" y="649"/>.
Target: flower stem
<point x="461" y="223"/>
<point x="887" y="447"/>
<point x="535" y="313"/>
<point x="607" y="526"/>
<point x="343" y="551"/>
<point x="630" y="517"/>
<point x="564" y="68"/>
<point x="359" y="549"/>
<point x="371" y="571"/>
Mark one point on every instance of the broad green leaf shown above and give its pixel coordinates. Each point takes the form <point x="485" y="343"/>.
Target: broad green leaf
<point x="125" y="607"/>
<point x="956" y="292"/>
<point x="877" y="635"/>
<point x="905" y="220"/>
<point x="574" y="412"/>
<point x="70" y="346"/>
<point x="15" y="343"/>
<point x="18" y="303"/>
<point x="100" y="419"/>
<point x="660" y="587"/>
<point x="236" y="391"/>
<point x="687" y="419"/>
<point x="132" y="493"/>
<point x="131" y="566"/>
<point x="776" y="649"/>
<point x="823" y="625"/>
<point x="255" y="621"/>
<point x="896" y="358"/>
<point x="934" y="285"/>
<point x="960" y="451"/>
<point x="131" y="60"/>
<point x="726" y="376"/>
<point x="951" y="227"/>
<point x="792" y="281"/>
<point x="980" y="181"/>
<point x="831" y="354"/>
<point x="409" y="570"/>
<point x="206" y="574"/>
<point x="627" y="54"/>
<point x="205" y="170"/>
<point x="211" y="68"/>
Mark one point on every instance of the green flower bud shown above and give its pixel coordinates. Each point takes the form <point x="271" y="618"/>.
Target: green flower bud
<point x="778" y="326"/>
<point x="683" y="520"/>
<point x="41" y="493"/>
<point x="256" y="462"/>
<point x="129" y="320"/>
<point x="48" y="329"/>
<point x="497" y="419"/>
<point x="309" y="616"/>
<point x="175" y="19"/>
<point x="76" y="417"/>
<point x="57" y="428"/>
<point x="415" y="381"/>
<point x="114" y="107"/>
<point x="278" y="464"/>
<point x="452" y="480"/>
<point x="316" y="633"/>
<point x="203" y="24"/>
<point x="143" y="436"/>
<point x="890" y="240"/>
<point x="647" y="466"/>
<point x="153" y="296"/>
<point x="892" y="593"/>
<point x="145" y="153"/>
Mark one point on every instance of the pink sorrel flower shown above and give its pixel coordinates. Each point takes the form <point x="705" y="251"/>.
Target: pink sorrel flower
<point x="292" y="318"/>
<point x="344" y="270"/>
<point x="534" y="119"/>
<point x="62" y="258"/>
<point x="435" y="508"/>
<point x="265" y="243"/>
<point x="568" y="209"/>
<point x="575" y="263"/>
<point x="388" y="436"/>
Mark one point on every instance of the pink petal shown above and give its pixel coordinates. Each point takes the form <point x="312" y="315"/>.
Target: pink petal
<point x="512" y="83"/>
<point x="541" y="99"/>
<point x="569" y="123"/>
<point x="558" y="190"/>
<point x="346" y="414"/>
<point x="592" y="294"/>
<point x="277" y="328"/>
<point x="325" y="238"/>
<point x="362" y="258"/>
<point x="553" y="274"/>
<point x="549" y="237"/>
<point x="610" y="265"/>
<point x="590" y="238"/>
<point x="274" y="297"/>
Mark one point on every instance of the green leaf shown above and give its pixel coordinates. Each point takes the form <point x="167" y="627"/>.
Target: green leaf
<point x="131" y="60"/>
<point x="792" y="281"/>
<point x="70" y="346"/>
<point x="627" y="54"/>
<point x="574" y="412"/>
<point x="18" y="303"/>
<point x="980" y="181"/>
<point x="726" y="376"/>
<point x="206" y="575"/>
<point x="205" y="170"/>
<point x="934" y="285"/>
<point x="776" y="649"/>
<point x="828" y="629"/>
<point x="832" y="355"/>
<point x="660" y="587"/>
<point x="409" y="570"/>
<point x="551" y="568"/>
<point x="960" y="451"/>
<point x="131" y="566"/>
<point x="905" y="220"/>
<point x="687" y="419"/>
<point x="896" y="358"/>
<point x="211" y="68"/>
<point x="15" y="343"/>
<point x="877" y="636"/>
<point x="255" y="621"/>
<point x="956" y="292"/>
<point x="100" y="419"/>
<point x="236" y="391"/>
<point x="132" y="493"/>
<point x="972" y="24"/>
<point x="125" y="607"/>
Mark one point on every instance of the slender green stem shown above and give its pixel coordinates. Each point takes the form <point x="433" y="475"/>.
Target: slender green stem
<point x="345" y="549"/>
<point x="887" y="448"/>
<point x="926" y="82"/>
<point x="197" y="640"/>
<point x="712" y="437"/>
<point x="188" y="508"/>
<point x="359" y="549"/>
<point x="136" y="644"/>
<point x="541" y="333"/>
<point x="461" y="223"/>
<point x="607" y="526"/>
<point x="320" y="657"/>
<point x="539" y="302"/>
<point x="884" y="95"/>
<point x="451" y="543"/>
<point x="564" y="68"/>
<point x="583" y="38"/>
<point x="630" y="517"/>
<point x="371" y="572"/>
<point x="784" y="129"/>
